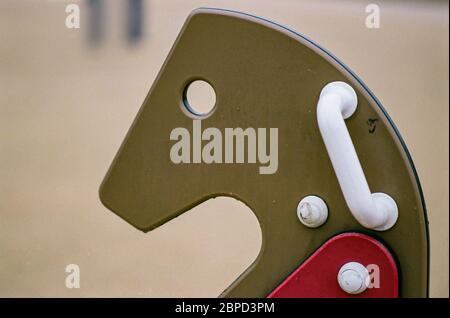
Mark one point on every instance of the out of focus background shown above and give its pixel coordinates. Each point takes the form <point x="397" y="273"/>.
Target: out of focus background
<point x="68" y="96"/>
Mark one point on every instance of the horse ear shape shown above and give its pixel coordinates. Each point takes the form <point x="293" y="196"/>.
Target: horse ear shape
<point x="264" y="76"/>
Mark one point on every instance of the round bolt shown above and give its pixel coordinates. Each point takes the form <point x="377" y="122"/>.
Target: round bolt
<point x="312" y="211"/>
<point x="353" y="278"/>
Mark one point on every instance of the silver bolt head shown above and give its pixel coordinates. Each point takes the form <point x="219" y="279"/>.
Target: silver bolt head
<point x="312" y="211"/>
<point x="353" y="278"/>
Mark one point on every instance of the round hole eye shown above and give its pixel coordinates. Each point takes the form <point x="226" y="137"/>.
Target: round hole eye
<point x="199" y="98"/>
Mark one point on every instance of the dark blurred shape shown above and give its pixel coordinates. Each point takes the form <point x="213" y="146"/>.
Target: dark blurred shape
<point x="135" y="20"/>
<point x="135" y="17"/>
<point x="96" y="21"/>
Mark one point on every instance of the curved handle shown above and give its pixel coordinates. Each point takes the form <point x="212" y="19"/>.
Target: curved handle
<point x="376" y="211"/>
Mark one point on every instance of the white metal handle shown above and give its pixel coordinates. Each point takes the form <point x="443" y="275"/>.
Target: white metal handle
<point x="376" y="211"/>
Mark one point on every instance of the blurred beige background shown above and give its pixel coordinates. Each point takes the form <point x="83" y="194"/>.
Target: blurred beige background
<point x="65" y="107"/>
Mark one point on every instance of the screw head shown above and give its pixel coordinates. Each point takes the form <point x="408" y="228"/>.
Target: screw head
<point x="312" y="211"/>
<point x="353" y="278"/>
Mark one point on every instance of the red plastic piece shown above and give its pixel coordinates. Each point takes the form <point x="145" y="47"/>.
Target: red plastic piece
<point x="317" y="276"/>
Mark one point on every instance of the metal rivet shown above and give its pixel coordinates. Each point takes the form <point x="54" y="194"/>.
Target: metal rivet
<point x="312" y="211"/>
<point x="353" y="278"/>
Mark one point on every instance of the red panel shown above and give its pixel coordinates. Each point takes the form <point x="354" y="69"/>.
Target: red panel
<point x="317" y="276"/>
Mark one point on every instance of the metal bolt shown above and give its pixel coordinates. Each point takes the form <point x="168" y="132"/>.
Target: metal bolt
<point x="312" y="211"/>
<point x="353" y="278"/>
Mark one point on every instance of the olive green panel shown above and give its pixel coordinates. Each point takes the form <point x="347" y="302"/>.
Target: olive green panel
<point x="264" y="76"/>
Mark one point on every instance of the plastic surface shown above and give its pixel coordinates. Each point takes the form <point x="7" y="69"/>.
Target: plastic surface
<point x="264" y="76"/>
<point x="337" y="101"/>
<point x="318" y="276"/>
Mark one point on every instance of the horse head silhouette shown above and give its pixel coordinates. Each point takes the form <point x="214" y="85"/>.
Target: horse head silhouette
<point x="265" y="76"/>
